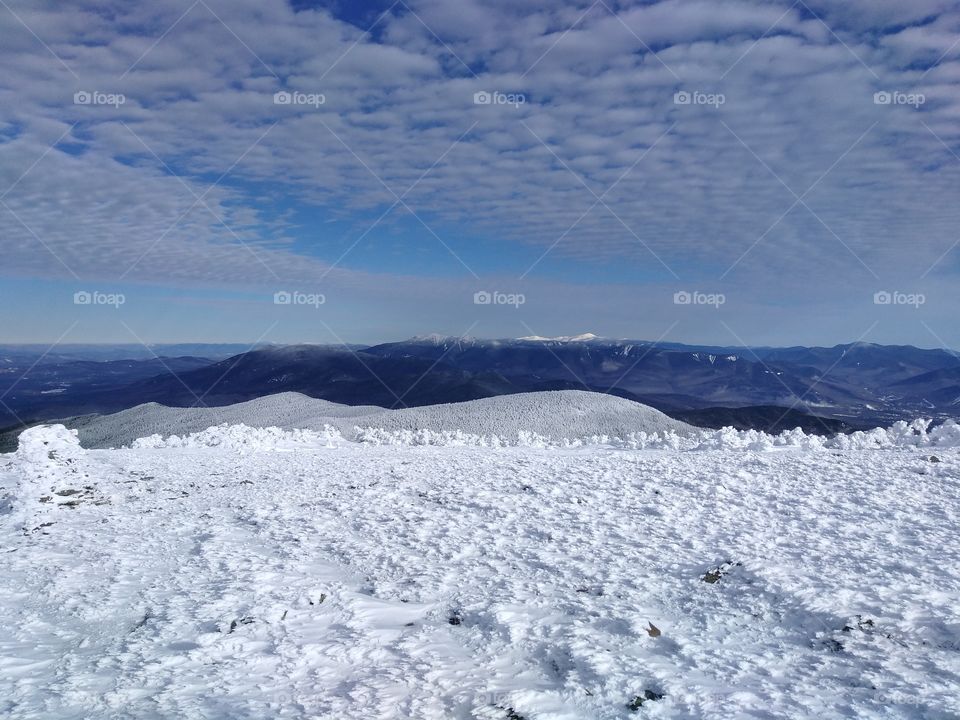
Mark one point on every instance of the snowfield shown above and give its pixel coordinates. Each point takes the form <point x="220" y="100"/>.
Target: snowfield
<point x="563" y="414"/>
<point x="246" y="572"/>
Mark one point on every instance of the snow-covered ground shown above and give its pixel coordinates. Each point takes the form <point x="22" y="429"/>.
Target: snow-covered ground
<point x="252" y="573"/>
<point x="563" y="414"/>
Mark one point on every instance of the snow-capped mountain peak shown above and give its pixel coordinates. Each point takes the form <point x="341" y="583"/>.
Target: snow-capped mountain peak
<point x="585" y="337"/>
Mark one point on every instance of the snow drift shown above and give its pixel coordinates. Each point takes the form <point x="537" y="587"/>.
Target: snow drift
<point x="917" y="434"/>
<point x="337" y="579"/>
<point x="568" y="414"/>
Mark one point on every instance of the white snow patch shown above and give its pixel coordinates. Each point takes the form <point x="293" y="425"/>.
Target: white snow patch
<point x="583" y="337"/>
<point x="345" y="580"/>
<point x="49" y="459"/>
<point x="245" y="439"/>
<point x="48" y="445"/>
<point x="917" y="434"/>
<point x="566" y="414"/>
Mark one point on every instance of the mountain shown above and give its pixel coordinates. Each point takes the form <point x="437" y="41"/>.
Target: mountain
<point x="37" y="388"/>
<point x="331" y="373"/>
<point x="939" y="388"/>
<point x="851" y="381"/>
<point x="67" y="352"/>
<point x="853" y="385"/>
<point x="769" y="418"/>
<point x="41" y="382"/>
<point x="558" y="415"/>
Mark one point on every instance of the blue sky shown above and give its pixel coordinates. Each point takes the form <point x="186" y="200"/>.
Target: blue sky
<point x="792" y="167"/>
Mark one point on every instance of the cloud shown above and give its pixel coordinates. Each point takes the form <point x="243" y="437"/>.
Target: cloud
<point x="797" y="181"/>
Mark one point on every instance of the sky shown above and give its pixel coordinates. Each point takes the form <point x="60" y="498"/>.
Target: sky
<point x="706" y="171"/>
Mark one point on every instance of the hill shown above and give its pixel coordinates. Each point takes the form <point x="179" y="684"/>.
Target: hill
<point x="563" y="414"/>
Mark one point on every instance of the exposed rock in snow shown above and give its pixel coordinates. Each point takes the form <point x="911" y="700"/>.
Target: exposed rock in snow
<point x="48" y="445"/>
<point x="51" y="475"/>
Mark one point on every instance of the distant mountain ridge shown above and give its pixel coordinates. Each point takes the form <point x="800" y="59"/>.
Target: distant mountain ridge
<point x="853" y="385"/>
<point x="854" y="381"/>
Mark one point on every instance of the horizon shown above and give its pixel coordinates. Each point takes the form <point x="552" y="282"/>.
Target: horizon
<point x="739" y="173"/>
<point x="578" y="338"/>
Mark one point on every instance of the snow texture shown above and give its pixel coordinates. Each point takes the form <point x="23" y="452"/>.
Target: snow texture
<point x="250" y="573"/>
<point x="567" y="414"/>
<point x="917" y="434"/>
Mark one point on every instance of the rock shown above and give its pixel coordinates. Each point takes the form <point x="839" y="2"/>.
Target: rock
<point x="647" y="696"/>
<point x="863" y="624"/>
<point x="48" y="445"/>
<point x="512" y="714"/>
<point x="242" y="621"/>
<point x="833" y="645"/>
<point x="714" y="576"/>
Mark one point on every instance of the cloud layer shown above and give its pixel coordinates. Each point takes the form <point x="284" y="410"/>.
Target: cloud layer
<point x="784" y="153"/>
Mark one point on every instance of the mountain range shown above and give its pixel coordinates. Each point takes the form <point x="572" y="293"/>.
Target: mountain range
<point x="824" y="389"/>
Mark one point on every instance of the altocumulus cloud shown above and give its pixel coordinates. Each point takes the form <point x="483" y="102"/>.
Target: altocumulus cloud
<point x="800" y="180"/>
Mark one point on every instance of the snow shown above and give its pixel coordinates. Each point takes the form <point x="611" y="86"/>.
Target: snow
<point x="49" y="456"/>
<point x="48" y="445"/>
<point x="583" y="337"/>
<point x="568" y="414"/>
<point x="248" y="572"/>
<point x="245" y="439"/>
<point x="917" y="434"/>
